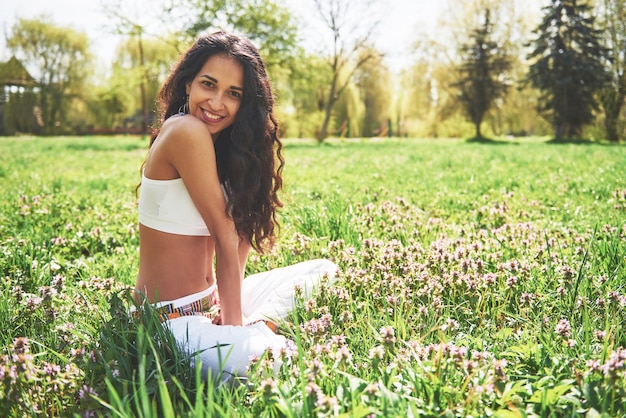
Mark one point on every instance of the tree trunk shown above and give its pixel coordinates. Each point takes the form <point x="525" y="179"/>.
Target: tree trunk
<point x="612" y="109"/>
<point x="323" y="132"/>
<point x="558" y="130"/>
<point x="610" y="126"/>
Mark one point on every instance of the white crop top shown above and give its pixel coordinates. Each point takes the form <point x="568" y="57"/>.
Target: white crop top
<point x="165" y="205"/>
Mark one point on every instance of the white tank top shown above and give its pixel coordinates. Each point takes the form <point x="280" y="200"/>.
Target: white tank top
<point x="165" y="205"/>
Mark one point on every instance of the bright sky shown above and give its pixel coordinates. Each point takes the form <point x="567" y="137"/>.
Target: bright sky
<point x="401" y="22"/>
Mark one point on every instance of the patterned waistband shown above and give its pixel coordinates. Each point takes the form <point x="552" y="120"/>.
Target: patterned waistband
<point x="207" y="306"/>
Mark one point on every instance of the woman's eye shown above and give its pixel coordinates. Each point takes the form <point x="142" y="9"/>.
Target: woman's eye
<point x="235" y="94"/>
<point x="207" y="83"/>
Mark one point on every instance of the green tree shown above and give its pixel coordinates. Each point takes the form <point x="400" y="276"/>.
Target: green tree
<point x="482" y="74"/>
<point x="132" y="25"/>
<point x="143" y="64"/>
<point x="58" y="58"/>
<point x="302" y="96"/>
<point x="20" y="114"/>
<point x="568" y="67"/>
<point x="351" y="27"/>
<point x="373" y="80"/>
<point x="108" y="104"/>
<point x="429" y="102"/>
<point x="348" y="114"/>
<point x="265" y="22"/>
<point x="413" y="106"/>
<point x="613" y="95"/>
<point x="427" y="105"/>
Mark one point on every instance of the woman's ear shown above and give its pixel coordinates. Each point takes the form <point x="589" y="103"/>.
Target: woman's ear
<point x="187" y="87"/>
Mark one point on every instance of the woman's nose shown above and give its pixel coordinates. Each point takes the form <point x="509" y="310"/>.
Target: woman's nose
<point x="216" y="101"/>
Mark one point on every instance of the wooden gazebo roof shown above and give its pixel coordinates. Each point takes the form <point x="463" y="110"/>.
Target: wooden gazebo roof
<point x="13" y="73"/>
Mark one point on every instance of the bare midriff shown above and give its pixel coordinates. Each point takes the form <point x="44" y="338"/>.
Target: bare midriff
<point x="172" y="266"/>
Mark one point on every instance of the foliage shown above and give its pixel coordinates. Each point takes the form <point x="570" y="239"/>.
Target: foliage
<point x="464" y="291"/>
<point x="419" y="99"/>
<point x="568" y="67"/>
<point x="612" y="97"/>
<point x="268" y="24"/>
<point x="375" y="85"/>
<point x="59" y="58"/>
<point x="138" y="355"/>
<point x="483" y="74"/>
<point x="348" y="113"/>
<point x="141" y="65"/>
<point x="301" y="96"/>
<point x="18" y="116"/>
<point x="351" y="27"/>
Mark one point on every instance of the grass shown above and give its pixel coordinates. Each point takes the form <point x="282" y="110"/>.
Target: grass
<point x="476" y="279"/>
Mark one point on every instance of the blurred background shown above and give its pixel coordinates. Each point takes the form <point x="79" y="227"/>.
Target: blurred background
<point x="357" y="68"/>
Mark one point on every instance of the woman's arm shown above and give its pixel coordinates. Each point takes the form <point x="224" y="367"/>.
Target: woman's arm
<point x="189" y="149"/>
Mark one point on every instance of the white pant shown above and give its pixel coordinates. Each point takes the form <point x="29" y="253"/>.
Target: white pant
<point x="269" y="295"/>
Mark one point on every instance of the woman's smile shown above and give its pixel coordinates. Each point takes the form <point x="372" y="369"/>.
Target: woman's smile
<point x="211" y="117"/>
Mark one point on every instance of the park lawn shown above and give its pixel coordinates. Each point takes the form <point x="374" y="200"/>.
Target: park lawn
<point x="476" y="279"/>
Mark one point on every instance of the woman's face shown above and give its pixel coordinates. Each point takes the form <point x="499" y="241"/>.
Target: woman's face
<point x="215" y="94"/>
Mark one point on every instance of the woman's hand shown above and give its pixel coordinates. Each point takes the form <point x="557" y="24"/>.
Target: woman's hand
<point x="218" y="319"/>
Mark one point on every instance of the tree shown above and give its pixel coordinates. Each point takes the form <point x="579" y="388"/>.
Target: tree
<point x="427" y="105"/>
<point x="348" y="114"/>
<point x="374" y="82"/>
<point x="107" y="105"/>
<point x="142" y="63"/>
<point x="613" y="95"/>
<point x="302" y="96"/>
<point x="59" y="59"/>
<point x="266" y="23"/>
<point x="510" y="23"/>
<point x="482" y="73"/>
<point x="568" y="67"/>
<point x="132" y="24"/>
<point x="429" y="102"/>
<point x="351" y="30"/>
<point x="414" y="107"/>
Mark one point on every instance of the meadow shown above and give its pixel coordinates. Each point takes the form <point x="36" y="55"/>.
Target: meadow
<point x="476" y="279"/>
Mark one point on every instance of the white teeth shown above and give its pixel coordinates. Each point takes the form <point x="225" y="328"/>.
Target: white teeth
<point x="211" y="116"/>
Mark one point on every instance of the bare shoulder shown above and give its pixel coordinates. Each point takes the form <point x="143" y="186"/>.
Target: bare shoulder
<point x="183" y="129"/>
<point x="185" y="144"/>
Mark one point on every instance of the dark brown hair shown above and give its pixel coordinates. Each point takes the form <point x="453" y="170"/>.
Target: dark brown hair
<point x="249" y="152"/>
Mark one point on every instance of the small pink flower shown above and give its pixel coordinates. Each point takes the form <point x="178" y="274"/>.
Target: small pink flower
<point x="563" y="328"/>
<point x="268" y="386"/>
<point x="86" y="392"/>
<point x="377" y="353"/>
<point x="387" y="335"/>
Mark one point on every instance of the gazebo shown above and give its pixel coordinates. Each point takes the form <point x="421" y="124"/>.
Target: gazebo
<point x="14" y="80"/>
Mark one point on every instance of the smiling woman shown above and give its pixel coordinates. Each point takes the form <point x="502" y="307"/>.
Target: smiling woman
<point x="208" y="196"/>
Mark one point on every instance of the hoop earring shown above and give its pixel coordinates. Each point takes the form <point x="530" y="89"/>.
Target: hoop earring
<point x="184" y="109"/>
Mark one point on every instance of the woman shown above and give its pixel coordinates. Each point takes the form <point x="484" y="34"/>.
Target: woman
<point x="209" y="195"/>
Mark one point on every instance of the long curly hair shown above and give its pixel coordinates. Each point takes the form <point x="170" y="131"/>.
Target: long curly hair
<point x="249" y="152"/>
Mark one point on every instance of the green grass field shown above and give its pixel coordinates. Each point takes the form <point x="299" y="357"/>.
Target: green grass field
<point x="477" y="279"/>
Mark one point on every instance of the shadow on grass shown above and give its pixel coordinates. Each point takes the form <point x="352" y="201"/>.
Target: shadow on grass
<point x="576" y="141"/>
<point x="483" y="140"/>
